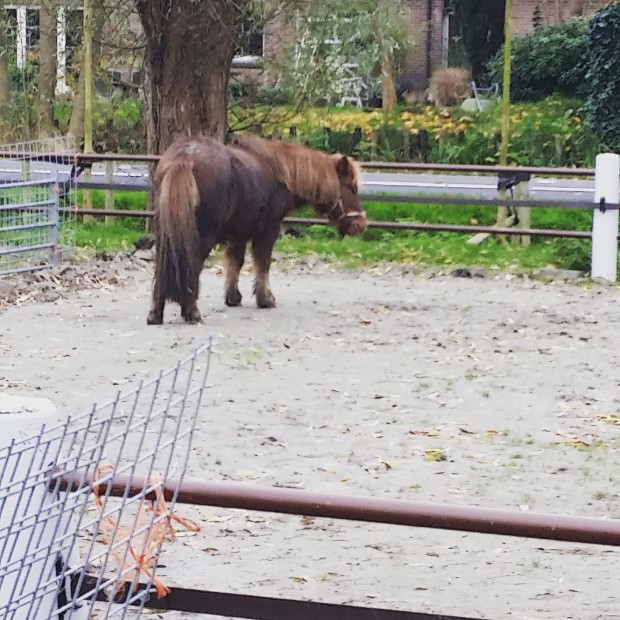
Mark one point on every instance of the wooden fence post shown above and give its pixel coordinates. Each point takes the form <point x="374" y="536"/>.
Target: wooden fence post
<point x="522" y="192"/>
<point x="109" y="194"/>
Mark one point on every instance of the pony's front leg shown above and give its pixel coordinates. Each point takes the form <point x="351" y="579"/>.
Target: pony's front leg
<point x="261" y="252"/>
<point x="235" y="257"/>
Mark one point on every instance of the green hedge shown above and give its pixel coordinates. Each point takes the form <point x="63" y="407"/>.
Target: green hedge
<point x="550" y="60"/>
<point x="604" y="76"/>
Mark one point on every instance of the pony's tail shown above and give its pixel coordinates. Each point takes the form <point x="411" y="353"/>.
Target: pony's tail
<point x="177" y="262"/>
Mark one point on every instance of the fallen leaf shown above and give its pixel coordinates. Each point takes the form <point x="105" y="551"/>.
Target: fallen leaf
<point x="435" y="455"/>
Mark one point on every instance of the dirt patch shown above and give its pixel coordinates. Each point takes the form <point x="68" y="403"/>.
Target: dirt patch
<point x="495" y="391"/>
<point x="82" y="272"/>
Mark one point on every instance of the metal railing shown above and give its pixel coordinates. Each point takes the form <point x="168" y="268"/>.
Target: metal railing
<point x="374" y="510"/>
<point x="85" y="160"/>
<point x="29" y="226"/>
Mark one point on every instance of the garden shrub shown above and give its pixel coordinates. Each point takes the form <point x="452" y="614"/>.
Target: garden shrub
<point x="550" y="60"/>
<point x="604" y="76"/>
<point x="548" y="133"/>
<point x="118" y="125"/>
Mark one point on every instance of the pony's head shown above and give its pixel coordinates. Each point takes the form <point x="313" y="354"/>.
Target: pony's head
<point x="328" y="182"/>
<point x="347" y="213"/>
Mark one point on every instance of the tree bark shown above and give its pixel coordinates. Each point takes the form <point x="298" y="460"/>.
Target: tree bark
<point x="5" y="95"/>
<point x="47" y="68"/>
<point x="388" y="88"/>
<point x="189" y="52"/>
<point x="76" y="123"/>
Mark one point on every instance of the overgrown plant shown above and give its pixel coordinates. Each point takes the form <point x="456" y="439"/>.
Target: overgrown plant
<point x="449" y="86"/>
<point x="339" y="42"/>
<point x="604" y="77"/>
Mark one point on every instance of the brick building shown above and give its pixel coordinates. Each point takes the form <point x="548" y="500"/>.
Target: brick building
<point x="431" y="27"/>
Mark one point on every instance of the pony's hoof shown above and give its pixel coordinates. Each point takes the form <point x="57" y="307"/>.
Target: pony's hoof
<point x="266" y="301"/>
<point x="154" y="319"/>
<point x="193" y="317"/>
<point x="233" y="299"/>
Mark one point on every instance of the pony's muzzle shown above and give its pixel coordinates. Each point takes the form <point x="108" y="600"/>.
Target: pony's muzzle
<point x="352" y="223"/>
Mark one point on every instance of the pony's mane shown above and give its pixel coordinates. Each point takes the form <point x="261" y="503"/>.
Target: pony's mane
<point x="308" y="174"/>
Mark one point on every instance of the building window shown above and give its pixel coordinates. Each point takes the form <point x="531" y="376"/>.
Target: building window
<point x="251" y="40"/>
<point x="32" y="29"/>
<point x="73" y="32"/>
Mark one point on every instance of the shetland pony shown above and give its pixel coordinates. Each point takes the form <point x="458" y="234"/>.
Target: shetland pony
<point x="208" y="193"/>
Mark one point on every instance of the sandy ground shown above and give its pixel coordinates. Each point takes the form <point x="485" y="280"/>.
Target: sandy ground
<point x="495" y="391"/>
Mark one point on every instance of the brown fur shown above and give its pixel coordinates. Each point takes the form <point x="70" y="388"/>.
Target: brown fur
<point x="177" y="236"/>
<point x="208" y="193"/>
<point x="308" y="174"/>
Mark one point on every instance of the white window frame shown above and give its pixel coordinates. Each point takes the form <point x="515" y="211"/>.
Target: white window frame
<point x="21" y="40"/>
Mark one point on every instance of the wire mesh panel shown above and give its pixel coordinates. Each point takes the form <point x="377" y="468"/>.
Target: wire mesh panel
<point x="36" y="179"/>
<point x="65" y="553"/>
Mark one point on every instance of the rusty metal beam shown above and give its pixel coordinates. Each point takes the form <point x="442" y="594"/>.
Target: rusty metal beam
<point x="309" y="221"/>
<point x="269" y="608"/>
<point x="397" y="512"/>
<point x="469" y="168"/>
<point x="90" y="158"/>
<point x="423" y="199"/>
<point x="253" y="607"/>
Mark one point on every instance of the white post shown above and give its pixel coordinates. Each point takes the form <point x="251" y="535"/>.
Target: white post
<point x="605" y="222"/>
<point x="61" y="52"/>
<point x="445" y="39"/>
<point x="22" y="37"/>
<point x="29" y="526"/>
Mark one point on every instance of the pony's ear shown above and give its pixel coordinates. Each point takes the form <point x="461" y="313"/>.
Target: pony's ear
<point x="344" y="167"/>
<point x="347" y="168"/>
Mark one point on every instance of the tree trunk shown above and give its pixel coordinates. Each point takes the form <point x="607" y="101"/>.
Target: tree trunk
<point x="5" y="95"/>
<point x="389" y="88"/>
<point x="189" y="52"/>
<point x="76" y="123"/>
<point x="47" y="68"/>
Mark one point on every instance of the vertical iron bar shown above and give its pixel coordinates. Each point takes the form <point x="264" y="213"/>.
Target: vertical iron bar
<point x="55" y="221"/>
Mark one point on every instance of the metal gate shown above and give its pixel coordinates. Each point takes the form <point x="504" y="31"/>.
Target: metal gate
<point x="35" y="182"/>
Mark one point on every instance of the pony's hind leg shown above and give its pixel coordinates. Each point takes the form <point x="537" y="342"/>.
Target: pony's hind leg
<point x="190" y="312"/>
<point x="189" y="306"/>
<point x="261" y="252"/>
<point x="235" y="257"/>
<point x="156" y="313"/>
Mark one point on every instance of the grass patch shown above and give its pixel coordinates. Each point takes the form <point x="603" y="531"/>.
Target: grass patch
<point x="108" y="238"/>
<point x="123" y="200"/>
<point x="440" y="249"/>
<point x="122" y="233"/>
<point x="375" y="246"/>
